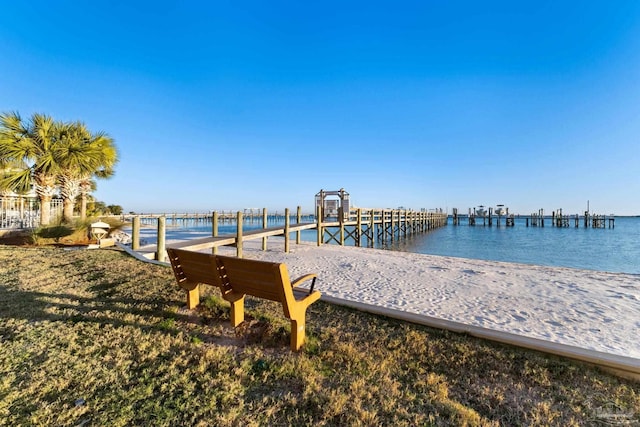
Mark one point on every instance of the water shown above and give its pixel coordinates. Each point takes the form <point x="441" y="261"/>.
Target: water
<point x="603" y="249"/>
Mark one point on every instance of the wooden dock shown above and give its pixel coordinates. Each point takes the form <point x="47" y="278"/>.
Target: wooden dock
<point x="359" y="227"/>
<point x="367" y="226"/>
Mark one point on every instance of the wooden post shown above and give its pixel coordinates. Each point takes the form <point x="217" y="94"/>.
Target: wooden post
<point x="586" y="219"/>
<point x="298" y="220"/>
<point x="286" y="230"/>
<point x="319" y="230"/>
<point x="239" y="234"/>
<point x="135" y="233"/>
<point x="341" y="219"/>
<point x="214" y="230"/>
<point x="384" y="226"/>
<point x="161" y="247"/>
<point x="415" y="219"/>
<point x="264" y="225"/>
<point x="359" y="232"/>
<point x="393" y="228"/>
<point x="372" y="228"/>
<point x="405" y="222"/>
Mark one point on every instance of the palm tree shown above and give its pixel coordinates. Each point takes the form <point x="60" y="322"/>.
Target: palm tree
<point x="31" y="143"/>
<point x="82" y="155"/>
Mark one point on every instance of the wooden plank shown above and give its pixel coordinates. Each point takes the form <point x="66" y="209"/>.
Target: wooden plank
<point x="257" y="278"/>
<point x="275" y="231"/>
<point x="303" y="226"/>
<point x="266" y="232"/>
<point x="204" y="243"/>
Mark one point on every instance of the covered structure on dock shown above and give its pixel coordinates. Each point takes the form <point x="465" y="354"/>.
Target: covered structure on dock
<point x="333" y="204"/>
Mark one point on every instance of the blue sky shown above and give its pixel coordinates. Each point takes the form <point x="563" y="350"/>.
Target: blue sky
<point x="231" y="105"/>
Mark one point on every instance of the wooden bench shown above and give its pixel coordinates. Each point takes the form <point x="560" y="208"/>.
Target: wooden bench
<point x="237" y="277"/>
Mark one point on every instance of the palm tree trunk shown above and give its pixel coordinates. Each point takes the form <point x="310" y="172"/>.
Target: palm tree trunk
<point x="69" y="189"/>
<point x="45" y="209"/>
<point x="67" y="210"/>
<point x="83" y="206"/>
<point x="45" y="189"/>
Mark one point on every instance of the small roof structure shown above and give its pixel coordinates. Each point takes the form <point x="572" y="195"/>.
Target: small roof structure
<point x="99" y="229"/>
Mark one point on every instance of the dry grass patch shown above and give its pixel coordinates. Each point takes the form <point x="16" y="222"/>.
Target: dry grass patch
<point x="95" y="337"/>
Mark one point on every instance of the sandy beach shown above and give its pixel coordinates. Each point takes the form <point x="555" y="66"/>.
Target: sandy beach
<point x="582" y="308"/>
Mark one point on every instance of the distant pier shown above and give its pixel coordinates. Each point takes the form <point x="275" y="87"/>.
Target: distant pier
<point x="535" y="219"/>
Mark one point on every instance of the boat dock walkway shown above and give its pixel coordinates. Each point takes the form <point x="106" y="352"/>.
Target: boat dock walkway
<point x="360" y="227"/>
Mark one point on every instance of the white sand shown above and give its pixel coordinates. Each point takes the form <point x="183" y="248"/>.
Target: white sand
<point x="583" y="308"/>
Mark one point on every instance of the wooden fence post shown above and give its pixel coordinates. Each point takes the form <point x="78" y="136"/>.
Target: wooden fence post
<point x="286" y="230"/>
<point x="214" y="230"/>
<point x="264" y="225"/>
<point x="319" y="229"/>
<point x="359" y="231"/>
<point x="341" y="219"/>
<point x="161" y="247"/>
<point x="298" y="220"/>
<point x="239" y="232"/>
<point x="135" y="233"/>
<point x="372" y="228"/>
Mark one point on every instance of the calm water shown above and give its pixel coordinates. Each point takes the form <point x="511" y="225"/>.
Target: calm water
<point x="616" y="249"/>
<point x="605" y="249"/>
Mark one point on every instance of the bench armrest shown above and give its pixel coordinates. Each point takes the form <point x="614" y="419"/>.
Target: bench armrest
<point x="304" y="278"/>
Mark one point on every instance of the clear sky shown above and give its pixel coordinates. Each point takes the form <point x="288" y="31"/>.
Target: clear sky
<point x="425" y="104"/>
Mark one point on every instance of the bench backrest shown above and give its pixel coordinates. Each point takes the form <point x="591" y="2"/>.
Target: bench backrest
<point x="193" y="267"/>
<point x="268" y="280"/>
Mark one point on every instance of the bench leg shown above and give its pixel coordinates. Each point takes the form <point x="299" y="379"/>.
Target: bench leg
<point x="193" y="297"/>
<point x="297" y="333"/>
<point x="237" y="311"/>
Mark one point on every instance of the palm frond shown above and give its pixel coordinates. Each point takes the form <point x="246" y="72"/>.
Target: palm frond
<point x="18" y="181"/>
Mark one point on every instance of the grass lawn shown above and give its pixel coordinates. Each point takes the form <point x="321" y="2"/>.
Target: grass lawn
<point x="96" y="338"/>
